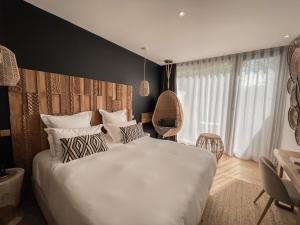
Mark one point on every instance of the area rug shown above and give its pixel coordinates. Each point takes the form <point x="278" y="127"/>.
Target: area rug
<point x="233" y="205"/>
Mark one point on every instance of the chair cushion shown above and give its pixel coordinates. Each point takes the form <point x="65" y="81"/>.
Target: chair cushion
<point x="163" y="130"/>
<point x="293" y="193"/>
<point x="167" y="122"/>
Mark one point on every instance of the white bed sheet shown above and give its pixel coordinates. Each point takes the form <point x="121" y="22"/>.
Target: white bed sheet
<point x="145" y="182"/>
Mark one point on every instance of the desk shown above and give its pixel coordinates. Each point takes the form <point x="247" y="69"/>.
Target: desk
<point x="284" y="163"/>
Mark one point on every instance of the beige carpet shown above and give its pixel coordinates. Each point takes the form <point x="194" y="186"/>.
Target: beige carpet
<point x="233" y="205"/>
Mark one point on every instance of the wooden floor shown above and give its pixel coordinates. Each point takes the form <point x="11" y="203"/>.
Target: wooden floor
<point x="229" y="169"/>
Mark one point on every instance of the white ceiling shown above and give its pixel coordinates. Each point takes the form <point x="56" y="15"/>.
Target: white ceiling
<point x="209" y="28"/>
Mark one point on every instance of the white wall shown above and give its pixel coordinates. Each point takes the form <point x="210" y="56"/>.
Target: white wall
<point x="288" y="135"/>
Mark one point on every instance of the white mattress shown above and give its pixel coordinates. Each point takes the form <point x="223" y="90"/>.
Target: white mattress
<point x="145" y="182"/>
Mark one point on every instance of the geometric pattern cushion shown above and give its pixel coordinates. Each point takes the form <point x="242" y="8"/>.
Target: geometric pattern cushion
<point x="81" y="146"/>
<point x="132" y="132"/>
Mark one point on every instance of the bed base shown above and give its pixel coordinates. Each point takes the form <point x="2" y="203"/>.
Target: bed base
<point x="41" y="200"/>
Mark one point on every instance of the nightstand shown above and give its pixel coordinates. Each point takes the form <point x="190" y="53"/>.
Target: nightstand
<point x="10" y="192"/>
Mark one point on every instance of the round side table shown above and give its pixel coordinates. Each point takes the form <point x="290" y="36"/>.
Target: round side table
<point x="212" y="143"/>
<point x="10" y="191"/>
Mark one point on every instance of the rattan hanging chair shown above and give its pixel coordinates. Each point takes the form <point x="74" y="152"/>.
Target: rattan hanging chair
<point x="168" y="107"/>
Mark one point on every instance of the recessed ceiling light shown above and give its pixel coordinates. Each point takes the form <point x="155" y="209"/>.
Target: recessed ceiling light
<point x="181" y="13"/>
<point x="286" y="36"/>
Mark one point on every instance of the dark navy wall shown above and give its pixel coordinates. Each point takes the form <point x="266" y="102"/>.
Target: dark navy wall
<point x="42" y="41"/>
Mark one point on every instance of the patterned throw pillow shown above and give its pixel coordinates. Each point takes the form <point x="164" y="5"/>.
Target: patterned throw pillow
<point x="132" y="132"/>
<point x="81" y="146"/>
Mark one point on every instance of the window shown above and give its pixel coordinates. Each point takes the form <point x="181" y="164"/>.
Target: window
<point x="236" y="97"/>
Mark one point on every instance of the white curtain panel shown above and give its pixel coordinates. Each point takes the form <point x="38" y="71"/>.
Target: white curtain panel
<point x="259" y="103"/>
<point x="240" y="97"/>
<point x="204" y="89"/>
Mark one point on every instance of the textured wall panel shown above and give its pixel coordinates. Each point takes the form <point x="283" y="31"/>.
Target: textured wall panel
<point x="40" y="92"/>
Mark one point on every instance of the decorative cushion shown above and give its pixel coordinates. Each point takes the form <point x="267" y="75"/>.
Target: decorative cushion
<point x="81" y="146"/>
<point x="132" y="132"/>
<point x="55" y="134"/>
<point x="78" y="120"/>
<point x="114" y="131"/>
<point x="167" y="122"/>
<point x="113" y="117"/>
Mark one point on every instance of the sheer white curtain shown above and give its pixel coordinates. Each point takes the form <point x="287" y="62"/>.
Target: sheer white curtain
<point x="204" y="89"/>
<point x="240" y="97"/>
<point x="259" y="103"/>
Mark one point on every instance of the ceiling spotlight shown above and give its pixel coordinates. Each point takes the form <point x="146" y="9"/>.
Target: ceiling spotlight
<point x="181" y="13"/>
<point x="286" y="36"/>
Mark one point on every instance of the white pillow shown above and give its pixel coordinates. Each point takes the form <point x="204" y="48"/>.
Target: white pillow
<point x="78" y="120"/>
<point x="113" y="129"/>
<point x="113" y="117"/>
<point x="55" y="134"/>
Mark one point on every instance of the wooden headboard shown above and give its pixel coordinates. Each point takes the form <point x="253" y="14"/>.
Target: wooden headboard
<point x="49" y="93"/>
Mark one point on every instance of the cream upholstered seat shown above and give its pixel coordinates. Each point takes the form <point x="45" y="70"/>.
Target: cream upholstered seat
<point x="278" y="189"/>
<point x="168" y="106"/>
<point x="292" y="192"/>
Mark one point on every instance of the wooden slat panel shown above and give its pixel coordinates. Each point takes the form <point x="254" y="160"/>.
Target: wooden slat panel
<point x="95" y="95"/>
<point x="56" y="106"/>
<point x="104" y="93"/>
<point x="88" y="87"/>
<point x="99" y="101"/>
<point x="41" y="86"/>
<point x="129" y="102"/>
<point x="119" y="91"/>
<point x="15" y="99"/>
<point x="76" y="100"/>
<point x="30" y="78"/>
<point x="81" y="93"/>
<point x="55" y="83"/>
<point x="67" y="95"/>
<point x="87" y="103"/>
<point x="124" y="96"/>
<point x="76" y="85"/>
<point x="114" y="91"/>
<point x="63" y="80"/>
<point x="116" y="105"/>
<point x="110" y="89"/>
<point x="43" y="92"/>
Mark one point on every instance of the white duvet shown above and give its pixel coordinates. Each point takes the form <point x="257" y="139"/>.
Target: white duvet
<point x="145" y="182"/>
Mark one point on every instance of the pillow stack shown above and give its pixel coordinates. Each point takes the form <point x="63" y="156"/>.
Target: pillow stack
<point x="64" y="128"/>
<point x="72" y="137"/>
<point x="119" y="129"/>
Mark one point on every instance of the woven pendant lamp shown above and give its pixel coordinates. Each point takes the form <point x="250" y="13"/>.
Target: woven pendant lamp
<point x="9" y="72"/>
<point x="144" y="89"/>
<point x="144" y="85"/>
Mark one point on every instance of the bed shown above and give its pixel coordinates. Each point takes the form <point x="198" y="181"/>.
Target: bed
<point x="145" y="182"/>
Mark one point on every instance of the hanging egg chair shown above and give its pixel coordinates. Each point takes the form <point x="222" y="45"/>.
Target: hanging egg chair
<point x="168" y="116"/>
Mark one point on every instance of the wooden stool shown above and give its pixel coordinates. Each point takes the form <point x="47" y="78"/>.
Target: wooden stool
<point x="212" y="143"/>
